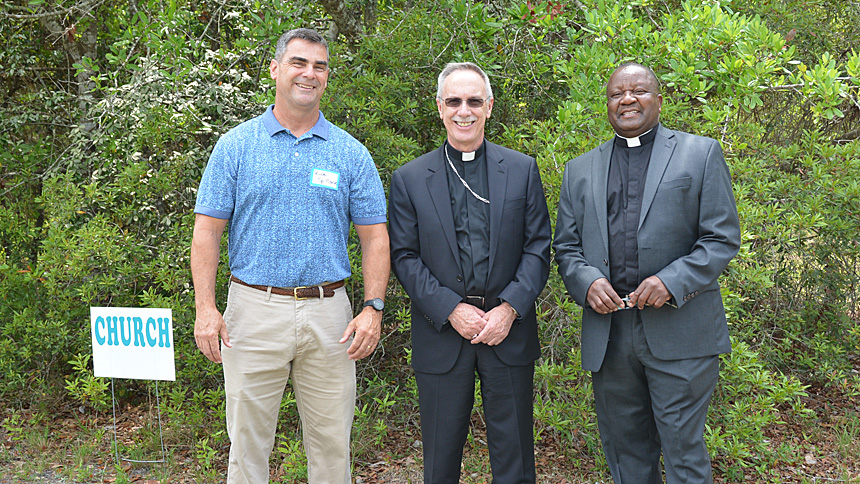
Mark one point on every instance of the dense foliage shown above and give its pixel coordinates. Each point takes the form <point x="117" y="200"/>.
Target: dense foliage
<point x="109" y="112"/>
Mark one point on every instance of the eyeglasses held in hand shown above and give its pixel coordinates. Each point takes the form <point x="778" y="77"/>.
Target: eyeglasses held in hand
<point x="625" y="304"/>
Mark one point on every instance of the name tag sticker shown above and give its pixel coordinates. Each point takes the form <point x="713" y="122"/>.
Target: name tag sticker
<point x="325" y="179"/>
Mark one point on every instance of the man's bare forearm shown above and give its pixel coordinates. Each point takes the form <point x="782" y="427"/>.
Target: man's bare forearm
<point x="205" y="254"/>
<point x="375" y="259"/>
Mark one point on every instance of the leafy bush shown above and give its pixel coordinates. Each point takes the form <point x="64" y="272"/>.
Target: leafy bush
<point x="97" y="186"/>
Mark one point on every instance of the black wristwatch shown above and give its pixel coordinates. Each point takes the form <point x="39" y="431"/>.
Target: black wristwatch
<point x="375" y="303"/>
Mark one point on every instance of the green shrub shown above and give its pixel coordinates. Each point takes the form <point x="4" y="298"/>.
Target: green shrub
<point x="97" y="188"/>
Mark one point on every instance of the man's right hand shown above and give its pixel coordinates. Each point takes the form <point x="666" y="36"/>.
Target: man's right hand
<point x="205" y="247"/>
<point x="208" y="327"/>
<point x="602" y="297"/>
<point x="467" y="320"/>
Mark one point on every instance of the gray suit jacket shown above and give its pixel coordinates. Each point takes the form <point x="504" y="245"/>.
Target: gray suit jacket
<point x="426" y="260"/>
<point x="688" y="233"/>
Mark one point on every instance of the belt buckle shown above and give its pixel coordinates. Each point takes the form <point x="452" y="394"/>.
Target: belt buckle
<point x="473" y="300"/>
<point x="296" y="293"/>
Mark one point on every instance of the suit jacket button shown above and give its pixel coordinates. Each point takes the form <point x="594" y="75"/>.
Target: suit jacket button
<point x="605" y="262"/>
<point x="459" y="278"/>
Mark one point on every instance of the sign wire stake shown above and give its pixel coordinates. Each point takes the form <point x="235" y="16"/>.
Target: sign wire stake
<point x="160" y="430"/>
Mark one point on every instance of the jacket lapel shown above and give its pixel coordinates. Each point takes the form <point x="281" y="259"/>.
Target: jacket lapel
<point x="498" y="183"/>
<point x="437" y="185"/>
<point x="599" y="180"/>
<point x="664" y="145"/>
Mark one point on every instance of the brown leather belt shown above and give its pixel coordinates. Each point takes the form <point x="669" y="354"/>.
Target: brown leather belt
<point x="303" y="292"/>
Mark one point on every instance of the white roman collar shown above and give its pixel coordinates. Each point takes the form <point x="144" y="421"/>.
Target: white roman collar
<point x="634" y="142"/>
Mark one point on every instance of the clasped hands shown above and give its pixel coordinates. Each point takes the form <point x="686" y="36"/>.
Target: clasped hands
<point x="603" y="299"/>
<point x="490" y="327"/>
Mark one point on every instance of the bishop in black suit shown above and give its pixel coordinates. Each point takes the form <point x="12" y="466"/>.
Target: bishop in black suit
<point x="470" y="237"/>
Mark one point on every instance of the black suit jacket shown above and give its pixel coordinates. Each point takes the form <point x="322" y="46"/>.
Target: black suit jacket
<point x="426" y="260"/>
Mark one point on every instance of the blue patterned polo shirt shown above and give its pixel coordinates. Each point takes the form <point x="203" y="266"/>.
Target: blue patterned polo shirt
<point x="290" y="200"/>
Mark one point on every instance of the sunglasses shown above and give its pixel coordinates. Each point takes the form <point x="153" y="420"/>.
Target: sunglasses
<point x="455" y="102"/>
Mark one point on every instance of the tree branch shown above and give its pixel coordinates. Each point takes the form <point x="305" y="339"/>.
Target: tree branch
<point x="81" y="7"/>
<point x="849" y="137"/>
<point x="348" y="20"/>
<point x="788" y="87"/>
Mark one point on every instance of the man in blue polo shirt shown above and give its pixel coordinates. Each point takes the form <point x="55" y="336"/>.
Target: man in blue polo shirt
<point x="289" y="183"/>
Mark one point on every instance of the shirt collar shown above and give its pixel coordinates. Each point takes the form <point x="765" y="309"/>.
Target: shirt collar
<point x="642" y="139"/>
<point x="273" y="127"/>
<point x="457" y="155"/>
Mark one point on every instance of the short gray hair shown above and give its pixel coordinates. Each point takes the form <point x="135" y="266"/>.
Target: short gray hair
<point x="452" y="67"/>
<point x="301" y="33"/>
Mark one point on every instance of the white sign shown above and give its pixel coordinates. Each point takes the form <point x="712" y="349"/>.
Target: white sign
<point x="133" y="343"/>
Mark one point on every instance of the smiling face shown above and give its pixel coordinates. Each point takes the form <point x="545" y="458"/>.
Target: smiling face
<point x="465" y="125"/>
<point x="300" y="75"/>
<point x="633" y="101"/>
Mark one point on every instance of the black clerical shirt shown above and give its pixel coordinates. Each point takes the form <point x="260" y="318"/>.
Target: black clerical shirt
<point x="471" y="217"/>
<point x="626" y="184"/>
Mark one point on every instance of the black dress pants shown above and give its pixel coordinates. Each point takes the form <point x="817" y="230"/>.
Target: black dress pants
<point x="445" y="402"/>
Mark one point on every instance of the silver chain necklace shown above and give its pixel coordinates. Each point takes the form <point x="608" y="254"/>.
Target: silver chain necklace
<point x="451" y="163"/>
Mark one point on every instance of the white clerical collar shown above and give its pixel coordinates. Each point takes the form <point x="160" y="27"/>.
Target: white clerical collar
<point x="635" y="141"/>
<point x="464" y="155"/>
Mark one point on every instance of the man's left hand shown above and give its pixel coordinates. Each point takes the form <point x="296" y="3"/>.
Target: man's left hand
<point x="367" y="327"/>
<point x="499" y="321"/>
<point x="652" y="292"/>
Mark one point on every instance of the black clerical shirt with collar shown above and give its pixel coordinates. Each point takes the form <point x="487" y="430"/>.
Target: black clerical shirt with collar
<point x="471" y="216"/>
<point x="628" y="168"/>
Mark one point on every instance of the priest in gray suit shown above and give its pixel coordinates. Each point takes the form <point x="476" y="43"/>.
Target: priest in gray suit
<point x="646" y="223"/>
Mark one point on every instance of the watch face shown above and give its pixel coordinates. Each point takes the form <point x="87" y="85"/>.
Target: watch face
<point x="375" y="303"/>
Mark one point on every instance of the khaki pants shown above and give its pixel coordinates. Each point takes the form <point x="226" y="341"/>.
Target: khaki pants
<point x="275" y="339"/>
